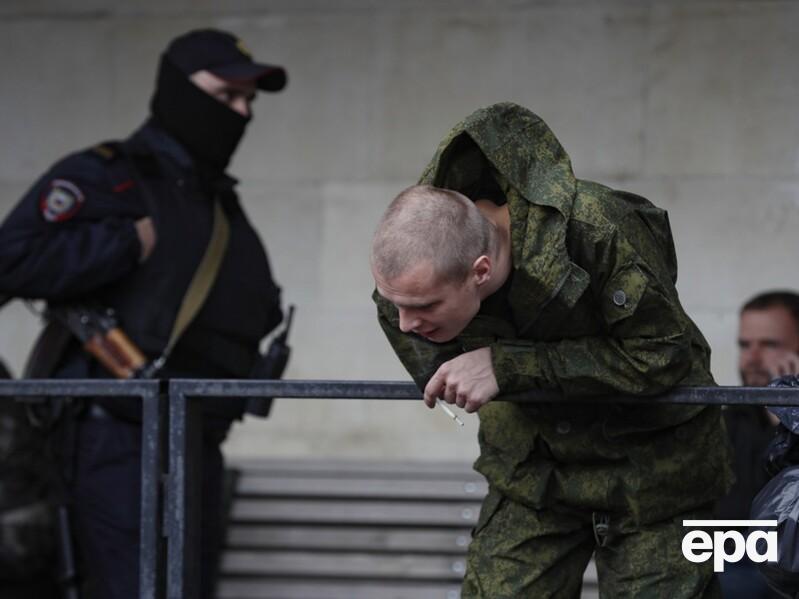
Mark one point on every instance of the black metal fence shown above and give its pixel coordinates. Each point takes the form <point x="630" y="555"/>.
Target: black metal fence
<point x="171" y="429"/>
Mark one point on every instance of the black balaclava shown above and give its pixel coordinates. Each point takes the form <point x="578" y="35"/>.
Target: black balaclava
<point x="208" y="129"/>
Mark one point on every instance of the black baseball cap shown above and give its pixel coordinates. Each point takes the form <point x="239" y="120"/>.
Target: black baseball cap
<point x="225" y="56"/>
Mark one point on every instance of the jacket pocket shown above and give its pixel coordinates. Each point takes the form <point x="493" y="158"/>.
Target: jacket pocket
<point x="560" y="313"/>
<point x="622" y="293"/>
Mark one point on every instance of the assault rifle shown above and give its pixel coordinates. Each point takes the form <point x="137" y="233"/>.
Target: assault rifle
<point x="102" y="337"/>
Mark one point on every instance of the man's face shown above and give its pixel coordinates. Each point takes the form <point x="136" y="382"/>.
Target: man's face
<point x="435" y="310"/>
<point x="237" y="96"/>
<point x="764" y="336"/>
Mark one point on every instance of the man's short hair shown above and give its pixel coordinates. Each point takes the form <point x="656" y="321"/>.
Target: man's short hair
<point x="773" y="299"/>
<point x="430" y="224"/>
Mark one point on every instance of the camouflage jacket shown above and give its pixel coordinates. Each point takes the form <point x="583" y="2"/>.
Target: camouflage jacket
<point x="591" y="309"/>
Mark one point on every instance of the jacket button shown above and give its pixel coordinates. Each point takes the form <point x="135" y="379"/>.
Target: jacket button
<point x="619" y="298"/>
<point x="563" y="427"/>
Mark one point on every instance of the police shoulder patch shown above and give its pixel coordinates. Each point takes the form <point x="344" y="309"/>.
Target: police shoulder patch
<point x="61" y="201"/>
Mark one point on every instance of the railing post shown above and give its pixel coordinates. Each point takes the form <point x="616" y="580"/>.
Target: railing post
<point x="183" y="495"/>
<point x="170" y="502"/>
<point x="151" y="548"/>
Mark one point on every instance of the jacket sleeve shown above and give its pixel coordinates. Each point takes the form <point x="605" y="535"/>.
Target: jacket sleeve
<point x="420" y="357"/>
<point x="645" y="345"/>
<point x="67" y="236"/>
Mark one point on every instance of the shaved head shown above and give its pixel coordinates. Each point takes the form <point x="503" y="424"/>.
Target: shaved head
<point x="437" y="226"/>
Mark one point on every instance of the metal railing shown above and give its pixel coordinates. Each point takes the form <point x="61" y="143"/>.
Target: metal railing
<point x="153" y="403"/>
<point x="171" y="413"/>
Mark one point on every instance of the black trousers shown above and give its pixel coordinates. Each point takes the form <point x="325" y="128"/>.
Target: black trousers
<point x="105" y="493"/>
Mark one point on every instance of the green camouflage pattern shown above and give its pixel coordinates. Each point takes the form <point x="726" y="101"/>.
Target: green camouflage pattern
<point x="593" y="310"/>
<point x="520" y="552"/>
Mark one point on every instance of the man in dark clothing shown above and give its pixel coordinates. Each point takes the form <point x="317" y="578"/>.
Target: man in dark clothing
<point x="26" y="521"/>
<point x="768" y="342"/>
<point x="124" y="225"/>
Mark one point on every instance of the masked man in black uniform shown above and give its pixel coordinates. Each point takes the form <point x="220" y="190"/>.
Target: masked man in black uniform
<point x="124" y="225"/>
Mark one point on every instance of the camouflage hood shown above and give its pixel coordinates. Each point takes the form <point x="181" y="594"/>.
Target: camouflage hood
<point x="508" y="148"/>
<point x="594" y="312"/>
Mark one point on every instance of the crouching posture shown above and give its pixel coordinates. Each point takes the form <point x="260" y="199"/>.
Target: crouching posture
<point x="501" y="273"/>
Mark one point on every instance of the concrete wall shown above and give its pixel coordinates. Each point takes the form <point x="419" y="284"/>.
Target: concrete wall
<point x="692" y="104"/>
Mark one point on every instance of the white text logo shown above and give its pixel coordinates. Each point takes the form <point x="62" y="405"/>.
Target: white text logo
<point x="698" y="546"/>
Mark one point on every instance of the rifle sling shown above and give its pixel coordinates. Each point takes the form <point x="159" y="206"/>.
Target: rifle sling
<point x="205" y="275"/>
<point x="203" y="278"/>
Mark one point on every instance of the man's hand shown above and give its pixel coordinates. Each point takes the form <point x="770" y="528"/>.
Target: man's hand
<point x="147" y="238"/>
<point x="781" y="364"/>
<point x="467" y="381"/>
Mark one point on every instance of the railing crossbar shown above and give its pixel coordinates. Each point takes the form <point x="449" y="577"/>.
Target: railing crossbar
<point x="169" y="560"/>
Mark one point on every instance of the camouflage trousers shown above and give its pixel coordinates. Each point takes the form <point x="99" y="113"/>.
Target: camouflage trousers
<point x="520" y="552"/>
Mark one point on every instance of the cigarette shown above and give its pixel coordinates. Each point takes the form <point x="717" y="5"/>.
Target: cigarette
<point x="449" y="412"/>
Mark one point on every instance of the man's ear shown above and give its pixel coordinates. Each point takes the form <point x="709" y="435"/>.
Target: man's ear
<point x="482" y="269"/>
